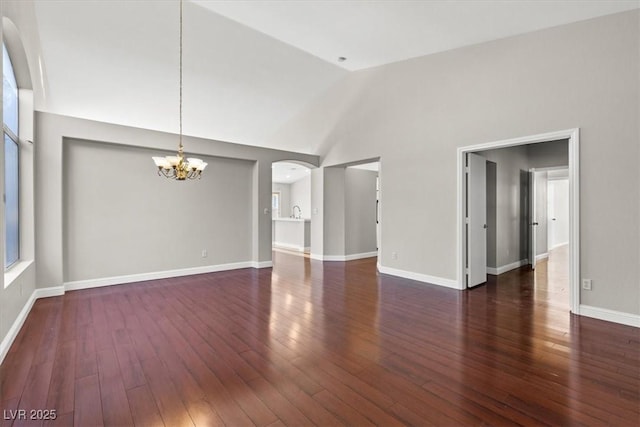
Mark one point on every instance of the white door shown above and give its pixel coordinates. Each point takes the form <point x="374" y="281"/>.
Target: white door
<point x="533" y="220"/>
<point x="476" y="220"/>
<point x="558" y="200"/>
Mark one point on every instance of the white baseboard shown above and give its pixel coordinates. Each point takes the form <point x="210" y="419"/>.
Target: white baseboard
<point x="261" y="264"/>
<point x="508" y="267"/>
<point x="350" y="257"/>
<point x="362" y="255"/>
<point x="53" y="291"/>
<point x="440" y="281"/>
<point x="119" y="280"/>
<point x="289" y="246"/>
<point x="22" y="316"/>
<point x="333" y="258"/>
<point x="15" y="328"/>
<point x="542" y="256"/>
<point x="610" y="315"/>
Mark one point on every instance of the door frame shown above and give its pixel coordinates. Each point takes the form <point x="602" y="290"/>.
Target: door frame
<point x="573" y="135"/>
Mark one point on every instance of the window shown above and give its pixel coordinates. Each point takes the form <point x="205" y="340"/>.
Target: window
<point x="11" y="161"/>
<point x="275" y="204"/>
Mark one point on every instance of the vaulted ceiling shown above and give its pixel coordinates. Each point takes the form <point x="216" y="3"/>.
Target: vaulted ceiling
<point x="251" y="66"/>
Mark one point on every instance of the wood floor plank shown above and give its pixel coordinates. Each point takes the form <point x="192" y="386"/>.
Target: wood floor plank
<point x="115" y="404"/>
<point x="167" y="399"/>
<point x="61" y="420"/>
<point x="313" y="343"/>
<point x="280" y="405"/>
<point x="36" y="390"/>
<point x="62" y="386"/>
<point x="290" y="389"/>
<point x="130" y="368"/>
<point x="144" y="410"/>
<point x="341" y="410"/>
<point x="9" y="411"/>
<point x="87" y="405"/>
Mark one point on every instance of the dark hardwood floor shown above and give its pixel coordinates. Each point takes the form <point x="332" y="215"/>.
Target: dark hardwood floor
<point x="326" y="344"/>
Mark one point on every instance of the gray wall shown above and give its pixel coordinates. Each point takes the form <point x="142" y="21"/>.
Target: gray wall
<point x="508" y="239"/>
<point x="548" y="154"/>
<point x="334" y="211"/>
<point x="360" y="211"/>
<point x="14" y="295"/>
<point x="510" y="162"/>
<point x="317" y="212"/>
<point x="301" y="196"/>
<point x="54" y="132"/>
<point x="285" y="198"/>
<point x="414" y="114"/>
<point x="120" y="218"/>
<point x="345" y="200"/>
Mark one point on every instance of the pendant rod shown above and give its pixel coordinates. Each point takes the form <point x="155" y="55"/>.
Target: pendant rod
<point x="180" y="75"/>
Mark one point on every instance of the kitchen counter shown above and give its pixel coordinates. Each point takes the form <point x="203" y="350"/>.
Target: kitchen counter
<point x="292" y="233"/>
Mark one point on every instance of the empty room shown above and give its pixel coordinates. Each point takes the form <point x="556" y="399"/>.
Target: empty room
<point x="293" y="213"/>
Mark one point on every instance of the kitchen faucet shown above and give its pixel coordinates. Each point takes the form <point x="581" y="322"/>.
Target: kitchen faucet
<point x="299" y="212"/>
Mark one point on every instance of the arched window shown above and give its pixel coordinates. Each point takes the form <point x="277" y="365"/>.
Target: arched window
<point x="11" y="161"/>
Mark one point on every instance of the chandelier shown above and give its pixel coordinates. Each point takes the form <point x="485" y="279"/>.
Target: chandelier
<point x="176" y="167"/>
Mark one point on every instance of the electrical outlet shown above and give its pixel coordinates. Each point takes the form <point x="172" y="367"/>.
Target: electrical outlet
<point x="586" y="284"/>
<point x="394" y="255"/>
<point x="204" y="253"/>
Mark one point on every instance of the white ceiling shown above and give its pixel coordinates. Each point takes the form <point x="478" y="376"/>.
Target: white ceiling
<point x="251" y="66"/>
<point x="372" y="33"/>
<point x="118" y="62"/>
<point x="374" y="166"/>
<point x="288" y="173"/>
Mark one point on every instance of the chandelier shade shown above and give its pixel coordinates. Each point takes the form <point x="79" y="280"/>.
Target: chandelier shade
<point x="176" y="167"/>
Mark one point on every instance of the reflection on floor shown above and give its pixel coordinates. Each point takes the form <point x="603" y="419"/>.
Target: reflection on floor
<point x="313" y="343"/>
<point x="291" y="252"/>
<point x="549" y="281"/>
<point x="552" y="278"/>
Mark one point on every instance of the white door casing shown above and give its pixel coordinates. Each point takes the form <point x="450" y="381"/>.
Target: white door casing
<point x="573" y="136"/>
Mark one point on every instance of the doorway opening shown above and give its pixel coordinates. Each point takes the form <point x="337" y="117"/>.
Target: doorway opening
<point x="350" y="211"/>
<point x="475" y="235"/>
<point x="373" y="168"/>
<point x="291" y="208"/>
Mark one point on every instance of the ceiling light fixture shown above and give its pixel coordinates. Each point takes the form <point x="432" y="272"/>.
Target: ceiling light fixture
<point x="176" y="167"/>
